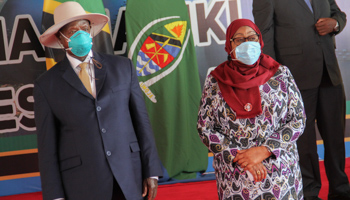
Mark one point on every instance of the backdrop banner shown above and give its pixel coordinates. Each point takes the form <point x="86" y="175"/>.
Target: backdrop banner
<point x="161" y="47"/>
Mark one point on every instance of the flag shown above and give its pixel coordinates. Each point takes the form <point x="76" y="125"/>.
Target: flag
<point x="161" y="47"/>
<point x="101" y="42"/>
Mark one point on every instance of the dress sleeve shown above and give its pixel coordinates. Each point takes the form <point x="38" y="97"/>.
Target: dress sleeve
<point x="208" y="127"/>
<point x="283" y="140"/>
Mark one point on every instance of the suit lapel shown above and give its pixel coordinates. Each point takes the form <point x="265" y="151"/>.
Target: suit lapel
<point x="316" y="8"/>
<point x="71" y="77"/>
<point x="303" y="4"/>
<point x="100" y="74"/>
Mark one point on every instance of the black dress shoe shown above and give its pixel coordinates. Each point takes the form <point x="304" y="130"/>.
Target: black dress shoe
<point x="312" y="198"/>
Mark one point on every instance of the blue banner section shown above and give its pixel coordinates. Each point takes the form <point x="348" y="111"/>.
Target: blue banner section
<point x="20" y="186"/>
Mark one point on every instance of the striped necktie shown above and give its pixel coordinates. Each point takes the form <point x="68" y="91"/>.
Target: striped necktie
<point x="84" y="77"/>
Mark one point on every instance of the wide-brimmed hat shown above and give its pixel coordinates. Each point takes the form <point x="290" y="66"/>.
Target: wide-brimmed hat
<point x="68" y="12"/>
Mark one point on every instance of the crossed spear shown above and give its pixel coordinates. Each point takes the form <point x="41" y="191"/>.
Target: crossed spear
<point x="153" y="45"/>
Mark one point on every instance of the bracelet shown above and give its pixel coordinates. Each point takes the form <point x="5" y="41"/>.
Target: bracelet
<point x="269" y="150"/>
<point x="336" y="28"/>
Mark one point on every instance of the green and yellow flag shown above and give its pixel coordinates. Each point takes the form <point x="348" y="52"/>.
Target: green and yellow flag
<point x="102" y="41"/>
<point x="161" y="47"/>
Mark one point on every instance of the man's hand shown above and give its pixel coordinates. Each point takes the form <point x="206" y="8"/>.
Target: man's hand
<point x="150" y="186"/>
<point x="325" y="26"/>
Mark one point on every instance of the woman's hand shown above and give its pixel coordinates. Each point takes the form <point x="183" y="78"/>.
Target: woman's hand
<point x="251" y="159"/>
<point x="258" y="171"/>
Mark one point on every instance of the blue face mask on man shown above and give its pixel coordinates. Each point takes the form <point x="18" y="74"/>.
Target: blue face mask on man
<point x="248" y="52"/>
<point x="80" y="43"/>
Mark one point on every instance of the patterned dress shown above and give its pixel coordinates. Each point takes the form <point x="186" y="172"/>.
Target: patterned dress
<point x="278" y="127"/>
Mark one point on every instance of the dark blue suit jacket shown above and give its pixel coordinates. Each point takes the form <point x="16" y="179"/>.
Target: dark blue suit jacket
<point x="289" y="33"/>
<point x="84" y="142"/>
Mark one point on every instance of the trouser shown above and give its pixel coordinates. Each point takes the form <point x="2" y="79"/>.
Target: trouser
<point x="117" y="192"/>
<point x="326" y="105"/>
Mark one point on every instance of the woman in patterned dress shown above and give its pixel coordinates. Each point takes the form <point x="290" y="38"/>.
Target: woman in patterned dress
<point x="250" y="117"/>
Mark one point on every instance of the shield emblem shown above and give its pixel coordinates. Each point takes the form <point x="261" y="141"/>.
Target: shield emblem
<point x="160" y="48"/>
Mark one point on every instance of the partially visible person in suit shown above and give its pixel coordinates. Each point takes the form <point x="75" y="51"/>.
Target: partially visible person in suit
<point x="300" y="34"/>
<point x="251" y="115"/>
<point x="94" y="136"/>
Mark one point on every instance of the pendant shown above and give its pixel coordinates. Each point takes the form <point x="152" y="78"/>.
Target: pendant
<point x="248" y="107"/>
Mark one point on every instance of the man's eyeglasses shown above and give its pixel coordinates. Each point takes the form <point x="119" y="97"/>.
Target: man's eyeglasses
<point x="240" y="40"/>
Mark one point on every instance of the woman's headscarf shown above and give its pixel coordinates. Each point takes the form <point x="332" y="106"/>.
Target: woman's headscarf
<point x="238" y="82"/>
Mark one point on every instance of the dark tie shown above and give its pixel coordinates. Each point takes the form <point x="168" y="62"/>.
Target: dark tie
<point x="308" y="2"/>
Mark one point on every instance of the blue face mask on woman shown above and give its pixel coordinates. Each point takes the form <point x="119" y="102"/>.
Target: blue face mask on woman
<point x="248" y="52"/>
<point x="80" y="43"/>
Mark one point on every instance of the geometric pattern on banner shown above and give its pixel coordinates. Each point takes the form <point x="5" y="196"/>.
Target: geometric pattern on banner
<point x="160" y="49"/>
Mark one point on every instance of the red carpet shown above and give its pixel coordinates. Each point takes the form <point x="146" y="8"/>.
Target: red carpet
<point x="203" y="190"/>
<point x="206" y="190"/>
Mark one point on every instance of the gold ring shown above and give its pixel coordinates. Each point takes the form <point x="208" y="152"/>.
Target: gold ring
<point x="258" y="172"/>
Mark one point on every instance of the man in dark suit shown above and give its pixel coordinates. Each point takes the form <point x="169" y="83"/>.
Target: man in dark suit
<point x="300" y="35"/>
<point x="94" y="136"/>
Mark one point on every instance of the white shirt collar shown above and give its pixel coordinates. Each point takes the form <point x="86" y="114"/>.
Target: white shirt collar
<point x="75" y="62"/>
